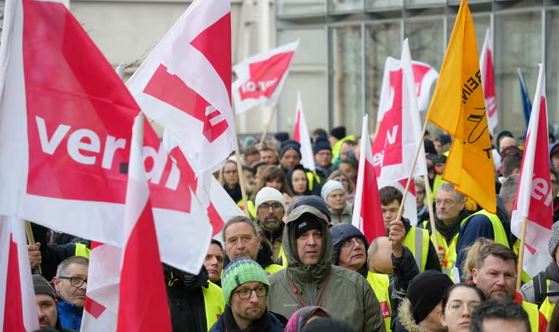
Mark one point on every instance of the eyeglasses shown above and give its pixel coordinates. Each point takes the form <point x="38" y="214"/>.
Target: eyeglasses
<point x="456" y="307"/>
<point x="75" y="281"/>
<point x="246" y="293"/>
<point x="266" y="206"/>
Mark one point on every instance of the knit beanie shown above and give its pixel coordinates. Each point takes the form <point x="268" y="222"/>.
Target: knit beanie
<point x="238" y="272"/>
<point x="554" y="240"/>
<point x="425" y="291"/>
<point x="329" y="187"/>
<point x="267" y="194"/>
<point x="281" y="136"/>
<point x="303" y="225"/>
<point x="290" y="145"/>
<point x="338" y="132"/>
<point x="321" y="144"/>
<point x="42" y="286"/>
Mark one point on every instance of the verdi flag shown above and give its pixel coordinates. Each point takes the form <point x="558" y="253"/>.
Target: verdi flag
<point x="458" y="107"/>
<point x="301" y="135"/>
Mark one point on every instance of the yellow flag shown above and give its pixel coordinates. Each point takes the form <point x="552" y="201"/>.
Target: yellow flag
<point x="458" y="107"/>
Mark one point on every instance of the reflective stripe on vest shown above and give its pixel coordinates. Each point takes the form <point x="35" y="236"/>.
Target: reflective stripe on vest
<point x="81" y="250"/>
<point x="214" y="304"/>
<point x="533" y="314"/>
<point x="380" y="283"/>
<point x="498" y="229"/>
<point x="417" y="241"/>
<point x="449" y="249"/>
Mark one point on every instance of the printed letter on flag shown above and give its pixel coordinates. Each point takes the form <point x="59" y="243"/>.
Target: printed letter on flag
<point x="301" y="135"/>
<point x="367" y="213"/>
<point x="533" y="203"/>
<point x="458" y="107"/>
<point x="488" y="78"/>
<point x="184" y="84"/>
<point x="261" y="77"/>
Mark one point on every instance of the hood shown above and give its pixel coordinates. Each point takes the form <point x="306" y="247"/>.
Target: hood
<point x="299" y="271"/>
<point x="341" y="233"/>
<point x="405" y="317"/>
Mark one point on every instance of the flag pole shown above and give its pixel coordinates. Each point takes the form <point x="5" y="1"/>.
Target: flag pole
<point x="431" y="212"/>
<point x="241" y="180"/>
<point x="31" y="239"/>
<point x="272" y="114"/>
<point x="521" y="253"/>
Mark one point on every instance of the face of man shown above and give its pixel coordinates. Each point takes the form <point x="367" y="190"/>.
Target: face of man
<point x="389" y="212"/>
<point x="70" y="285"/>
<point x="240" y="241"/>
<point x="248" y="309"/>
<point x="214" y="262"/>
<point x="352" y="254"/>
<point x="499" y="324"/>
<point x="269" y="157"/>
<point x="270" y="215"/>
<point x="323" y="158"/>
<point x="290" y="159"/>
<point x="448" y="206"/>
<point x="46" y="310"/>
<point x="496" y="277"/>
<point x="309" y="247"/>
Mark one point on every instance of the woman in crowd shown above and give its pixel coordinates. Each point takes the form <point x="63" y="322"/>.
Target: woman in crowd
<point x="335" y="196"/>
<point x="272" y="176"/>
<point x="346" y="182"/>
<point x="229" y="179"/>
<point x="298" y="182"/>
<point x="459" y="302"/>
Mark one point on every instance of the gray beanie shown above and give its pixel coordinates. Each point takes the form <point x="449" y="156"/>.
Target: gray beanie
<point x="42" y="286"/>
<point x="554" y="240"/>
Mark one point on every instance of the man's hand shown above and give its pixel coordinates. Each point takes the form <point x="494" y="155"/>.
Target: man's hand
<point x="34" y="252"/>
<point x="396" y="233"/>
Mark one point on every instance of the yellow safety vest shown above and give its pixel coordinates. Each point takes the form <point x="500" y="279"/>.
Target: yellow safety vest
<point x="417" y="241"/>
<point x="283" y="257"/>
<point x="533" y="315"/>
<point x="250" y="206"/>
<point x="379" y="283"/>
<point x="498" y="229"/>
<point x="214" y="303"/>
<point x="449" y="249"/>
<point x="81" y="250"/>
<point x="272" y="268"/>
<point x="338" y="145"/>
<point x="547" y="307"/>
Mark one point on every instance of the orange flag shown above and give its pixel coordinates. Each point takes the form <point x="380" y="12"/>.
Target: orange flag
<point x="458" y="107"/>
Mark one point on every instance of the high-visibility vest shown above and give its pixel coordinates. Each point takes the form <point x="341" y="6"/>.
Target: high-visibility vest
<point x="214" y="304"/>
<point x="250" y="207"/>
<point x="449" y="249"/>
<point x="417" y="241"/>
<point x="533" y="315"/>
<point x="81" y="250"/>
<point x="283" y="257"/>
<point x="272" y="268"/>
<point x="546" y="309"/>
<point x="380" y="283"/>
<point x="498" y="229"/>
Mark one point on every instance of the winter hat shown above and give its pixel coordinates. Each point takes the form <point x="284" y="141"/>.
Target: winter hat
<point x="281" y="136"/>
<point x="314" y="201"/>
<point x="338" y="132"/>
<point x="425" y="291"/>
<point x="340" y="234"/>
<point x="329" y="187"/>
<point x="300" y="317"/>
<point x="445" y="139"/>
<point x="290" y="145"/>
<point x="42" y="286"/>
<point x="238" y="272"/>
<point x="327" y="325"/>
<point x="554" y="240"/>
<point x="306" y="224"/>
<point x="554" y="149"/>
<point x="321" y="144"/>
<point x="267" y="194"/>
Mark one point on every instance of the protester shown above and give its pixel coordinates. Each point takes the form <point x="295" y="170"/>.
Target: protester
<point x="347" y="183"/>
<point x="471" y="254"/>
<point x="327" y="324"/>
<point x="420" y="198"/>
<point x="45" y="299"/>
<point x="335" y="197"/>
<point x="459" y="302"/>
<point x="70" y="283"/>
<point x="349" y="166"/>
<point x="301" y="317"/>
<point x="270" y="209"/>
<point x="274" y="177"/>
<point x="194" y="302"/>
<point x="290" y="155"/>
<point x="214" y="261"/>
<point x="422" y="307"/>
<point x="500" y="315"/>
<point x="245" y="289"/>
<point x="229" y="179"/>
<point x="322" y="152"/>
<point x="269" y="155"/>
<point x="298" y="181"/>
<point x="310" y="279"/>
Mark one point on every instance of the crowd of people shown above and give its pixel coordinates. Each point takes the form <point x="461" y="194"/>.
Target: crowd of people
<point x="296" y="263"/>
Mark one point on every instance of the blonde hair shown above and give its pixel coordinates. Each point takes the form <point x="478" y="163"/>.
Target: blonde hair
<point x="472" y="253"/>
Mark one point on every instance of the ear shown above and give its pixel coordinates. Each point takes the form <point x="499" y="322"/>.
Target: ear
<point x="443" y="320"/>
<point x="56" y="283"/>
<point x="475" y="275"/>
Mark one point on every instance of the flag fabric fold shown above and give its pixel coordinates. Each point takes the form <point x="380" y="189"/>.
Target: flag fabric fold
<point x="301" y="135"/>
<point x="458" y="107"/>
<point x="524" y="96"/>
<point x="534" y="200"/>
<point x="487" y="71"/>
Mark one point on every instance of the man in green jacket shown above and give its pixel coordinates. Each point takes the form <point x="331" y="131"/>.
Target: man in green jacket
<point x="310" y="279"/>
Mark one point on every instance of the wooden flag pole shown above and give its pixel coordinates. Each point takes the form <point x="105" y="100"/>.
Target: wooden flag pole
<point x="431" y="212"/>
<point x="241" y="181"/>
<point x="272" y="114"/>
<point x="521" y="253"/>
<point x="31" y="239"/>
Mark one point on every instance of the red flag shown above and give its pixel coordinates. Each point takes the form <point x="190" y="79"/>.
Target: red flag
<point x="261" y="77"/>
<point x="301" y="135"/>
<point x="18" y="311"/>
<point x="367" y="213"/>
<point x="143" y="298"/>
<point x="184" y="84"/>
<point x="533" y="197"/>
<point x="64" y="143"/>
<point x="488" y="78"/>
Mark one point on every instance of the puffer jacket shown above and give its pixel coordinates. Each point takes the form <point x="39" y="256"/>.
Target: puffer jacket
<point x="345" y="294"/>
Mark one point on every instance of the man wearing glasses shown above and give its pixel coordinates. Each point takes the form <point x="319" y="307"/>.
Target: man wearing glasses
<point x="245" y="289"/>
<point x="70" y="283"/>
<point x="270" y="209"/>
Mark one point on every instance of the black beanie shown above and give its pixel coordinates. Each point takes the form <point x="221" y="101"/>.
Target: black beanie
<point x="321" y="144"/>
<point x="425" y="291"/>
<point x="338" y="132"/>
<point x="305" y="224"/>
<point x="290" y="145"/>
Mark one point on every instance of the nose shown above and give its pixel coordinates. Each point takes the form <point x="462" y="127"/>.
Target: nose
<point x="253" y="297"/>
<point x="311" y="241"/>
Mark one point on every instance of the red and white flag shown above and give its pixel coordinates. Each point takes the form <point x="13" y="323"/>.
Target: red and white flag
<point x="143" y="302"/>
<point x="260" y="78"/>
<point x="399" y="133"/>
<point x="18" y="309"/>
<point x="487" y="71"/>
<point x="367" y="213"/>
<point x="301" y="135"/>
<point x="184" y="84"/>
<point x="64" y="142"/>
<point x="533" y="203"/>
